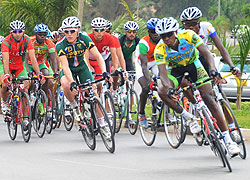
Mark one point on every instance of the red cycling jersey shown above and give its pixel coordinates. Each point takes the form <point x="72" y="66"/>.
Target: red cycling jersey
<point x="16" y="50"/>
<point x="42" y="50"/>
<point x="116" y="41"/>
<point x="103" y="46"/>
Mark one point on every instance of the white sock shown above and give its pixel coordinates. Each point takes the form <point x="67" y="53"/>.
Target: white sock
<point x="227" y="137"/>
<point x="186" y="114"/>
<point x="101" y="121"/>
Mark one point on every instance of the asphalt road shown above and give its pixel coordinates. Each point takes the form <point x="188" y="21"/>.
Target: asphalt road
<point x="65" y="156"/>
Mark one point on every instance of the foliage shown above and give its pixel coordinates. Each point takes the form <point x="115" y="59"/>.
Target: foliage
<point x="242" y="115"/>
<point x="32" y="12"/>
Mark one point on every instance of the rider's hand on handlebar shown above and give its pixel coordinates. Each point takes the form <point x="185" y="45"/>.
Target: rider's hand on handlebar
<point x="73" y="88"/>
<point x="6" y="79"/>
<point x="171" y="94"/>
<point x="215" y="76"/>
<point x="235" y="71"/>
<point x="153" y="86"/>
<point x="107" y="77"/>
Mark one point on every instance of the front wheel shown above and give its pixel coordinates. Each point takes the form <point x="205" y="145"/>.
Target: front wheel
<point x="234" y="132"/>
<point x="103" y="125"/>
<point x="174" y="127"/>
<point x="10" y="118"/>
<point x="25" y="113"/>
<point x="148" y="127"/>
<point x="132" y="112"/>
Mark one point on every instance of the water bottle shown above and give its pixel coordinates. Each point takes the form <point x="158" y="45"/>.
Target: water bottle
<point x="16" y="99"/>
<point x="61" y="96"/>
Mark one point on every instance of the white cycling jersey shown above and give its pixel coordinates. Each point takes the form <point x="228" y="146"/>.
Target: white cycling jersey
<point x="206" y="30"/>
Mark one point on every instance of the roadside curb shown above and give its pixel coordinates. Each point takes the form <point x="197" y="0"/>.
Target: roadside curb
<point x="246" y="134"/>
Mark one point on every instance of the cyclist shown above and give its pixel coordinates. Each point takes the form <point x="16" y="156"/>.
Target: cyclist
<point x="144" y="62"/>
<point x="71" y="51"/>
<point x="118" y="53"/>
<point x="129" y="42"/>
<point x="190" y="18"/>
<point x="1" y="67"/>
<point x="14" y="48"/>
<point x="179" y="50"/>
<point x="44" y="50"/>
<point x="105" y="45"/>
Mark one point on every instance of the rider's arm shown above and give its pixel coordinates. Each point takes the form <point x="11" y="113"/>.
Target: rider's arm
<point x="6" y="58"/>
<point x="115" y="61"/>
<point x="99" y="58"/>
<point x="224" y="53"/>
<point x="65" y="66"/>
<point x="121" y="58"/>
<point x="164" y="76"/>
<point x="52" y="57"/>
<point x="86" y="57"/>
<point x="207" y="55"/>
<point x="34" y="63"/>
<point x="144" y="64"/>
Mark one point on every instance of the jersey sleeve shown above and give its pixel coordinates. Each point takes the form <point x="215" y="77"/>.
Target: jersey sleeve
<point x="111" y="40"/>
<point x="51" y="46"/>
<point x="143" y="47"/>
<point x="193" y="38"/>
<point x="5" y="47"/>
<point x="160" y="54"/>
<point x="117" y="42"/>
<point x="86" y="41"/>
<point x="60" y="50"/>
<point x="211" y="30"/>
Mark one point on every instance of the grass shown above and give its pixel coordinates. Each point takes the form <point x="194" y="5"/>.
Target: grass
<point x="243" y="115"/>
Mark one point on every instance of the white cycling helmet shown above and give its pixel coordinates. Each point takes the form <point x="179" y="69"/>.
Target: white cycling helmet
<point x="17" y="25"/>
<point x="98" y="22"/>
<point x="131" y="25"/>
<point x="71" y="22"/>
<point x="55" y="35"/>
<point x="1" y="39"/>
<point x="190" y="14"/>
<point x="60" y="30"/>
<point x="166" y="25"/>
<point x="108" y="25"/>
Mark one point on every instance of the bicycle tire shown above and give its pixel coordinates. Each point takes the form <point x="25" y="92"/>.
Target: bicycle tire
<point x="68" y="122"/>
<point x="11" y="118"/>
<point x="40" y="113"/>
<point x="227" y="107"/>
<point x="216" y="141"/>
<point x="49" y="125"/>
<point x="59" y="108"/>
<point x="26" y="131"/>
<point x="86" y="126"/>
<point x="133" y="113"/>
<point x="108" y="142"/>
<point x="112" y="114"/>
<point x="119" y="116"/>
<point x="174" y="127"/>
<point x="149" y="132"/>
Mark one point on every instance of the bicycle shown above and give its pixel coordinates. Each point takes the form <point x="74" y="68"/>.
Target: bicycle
<point x="210" y="129"/>
<point x="18" y="105"/>
<point x="90" y="125"/>
<point x="127" y="104"/>
<point x="155" y="115"/>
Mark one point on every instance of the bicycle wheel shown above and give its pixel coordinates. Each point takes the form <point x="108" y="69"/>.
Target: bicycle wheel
<point x="11" y="118"/>
<point x="216" y="141"/>
<point x="103" y="125"/>
<point x="49" y="111"/>
<point x="68" y="122"/>
<point x="173" y="126"/>
<point x="118" y="109"/>
<point x="148" y="131"/>
<point x="110" y="109"/>
<point x="24" y="104"/>
<point x="227" y="110"/>
<point x="86" y="126"/>
<point x="132" y="112"/>
<point x="59" y="108"/>
<point x="40" y="113"/>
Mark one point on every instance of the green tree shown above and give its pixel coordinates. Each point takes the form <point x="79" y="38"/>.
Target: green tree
<point x="32" y="12"/>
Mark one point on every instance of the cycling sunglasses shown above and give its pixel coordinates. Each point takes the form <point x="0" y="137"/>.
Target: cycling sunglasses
<point x="42" y="34"/>
<point x="188" y="24"/>
<point x="169" y="34"/>
<point x="99" y="29"/>
<point x="130" y="31"/>
<point x="152" y="31"/>
<point x="70" y="31"/>
<point x="17" y="31"/>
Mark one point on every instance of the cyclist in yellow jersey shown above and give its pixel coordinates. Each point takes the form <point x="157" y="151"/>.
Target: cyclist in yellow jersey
<point x="179" y="49"/>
